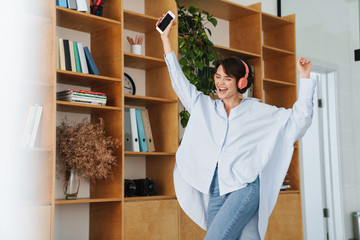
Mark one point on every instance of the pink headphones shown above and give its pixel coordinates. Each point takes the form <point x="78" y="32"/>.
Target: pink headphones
<point x="243" y="82"/>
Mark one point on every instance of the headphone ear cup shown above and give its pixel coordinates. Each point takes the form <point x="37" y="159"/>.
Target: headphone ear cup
<point x="243" y="82"/>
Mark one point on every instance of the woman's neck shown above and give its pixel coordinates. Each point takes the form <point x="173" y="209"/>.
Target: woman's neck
<point x="230" y="103"/>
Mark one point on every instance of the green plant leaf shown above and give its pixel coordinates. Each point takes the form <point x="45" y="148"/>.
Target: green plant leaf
<point x="183" y="61"/>
<point x="193" y="9"/>
<point x="213" y="21"/>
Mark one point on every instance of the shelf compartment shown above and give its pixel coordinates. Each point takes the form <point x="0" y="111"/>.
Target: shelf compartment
<point x="142" y="62"/>
<point x="83" y="79"/>
<point x="272" y="52"/>
<point x="139" y="22"/>
<point x="271" y="84"/>
<point x="87" y="200"/>
<point x="63" y="106"/>
<point x="83" y="22"/>
<point x="129" y="153"/>
<point x="149" y="198"/>
<point x="224" y="9"/>
<point x="146" y="101"/>
<point x="270" y="21"/>
<point x="226" y="51"/>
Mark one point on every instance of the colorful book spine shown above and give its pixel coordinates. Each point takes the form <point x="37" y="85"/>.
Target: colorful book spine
<point x="90" y="61"/>
<point x="67" y="55"/>
<point x="141" y="132"/>
<point x="77" y="58"/>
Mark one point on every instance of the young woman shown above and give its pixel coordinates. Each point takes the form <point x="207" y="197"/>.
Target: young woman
<point x="235" y="153"/>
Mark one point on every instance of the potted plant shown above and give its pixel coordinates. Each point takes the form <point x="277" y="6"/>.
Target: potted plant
<point x="197" y="53"/>
<point x="84" y="152"/>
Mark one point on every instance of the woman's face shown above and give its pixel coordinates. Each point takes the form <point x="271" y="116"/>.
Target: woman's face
<point x="225" y="84"/>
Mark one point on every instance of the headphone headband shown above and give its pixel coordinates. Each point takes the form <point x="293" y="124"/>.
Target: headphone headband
<point x="246" y="69"/>
<point x="243" y="82"/>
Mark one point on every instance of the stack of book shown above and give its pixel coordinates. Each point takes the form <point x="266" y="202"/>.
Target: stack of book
<point x="79" y="5"/>
<point x="138" y="134"/>
<point x="81" y="96"/>
<point x="72" y="56"/>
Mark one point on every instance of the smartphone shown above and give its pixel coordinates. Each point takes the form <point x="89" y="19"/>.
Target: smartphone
<point x="165" y="22"/>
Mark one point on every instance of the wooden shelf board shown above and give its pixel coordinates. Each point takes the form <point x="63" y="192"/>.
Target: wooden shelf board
<point x="149" y="198"/>
<point x="271" y="83"/>
<point x="273" y="52"/>
<point x="290" y="192"/>
<point x="64" y="106"/>
<point x="223" y="9"/>
<point x="270" y="21"/>
<point x="142" y="62"/>
<point x="149" y="153"/>
<point x="83" y="22"/>
<point x="87" y="200"/>
<point x="139" y="22"/>
<point x="83" y="79"/>
<point x="235" y="52"/>
<point x="146" y="101"/>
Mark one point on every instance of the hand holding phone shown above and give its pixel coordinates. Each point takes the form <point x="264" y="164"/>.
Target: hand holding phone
<point x="165" y="22"/>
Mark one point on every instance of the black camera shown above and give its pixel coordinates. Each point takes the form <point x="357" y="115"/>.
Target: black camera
<point x="140" y="187"/>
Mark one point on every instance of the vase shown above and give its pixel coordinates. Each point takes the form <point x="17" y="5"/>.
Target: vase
<point x="71" y="184"/>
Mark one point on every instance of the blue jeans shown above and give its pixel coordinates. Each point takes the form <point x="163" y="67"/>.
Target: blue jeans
<point x="228" y="214"/>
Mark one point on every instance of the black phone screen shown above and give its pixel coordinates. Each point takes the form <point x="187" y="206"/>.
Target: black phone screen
<point x="165" y="22"/>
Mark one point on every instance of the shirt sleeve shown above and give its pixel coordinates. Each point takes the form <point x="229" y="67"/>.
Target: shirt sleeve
<point x="187" y="92"/>
<point x="302" y="111"/>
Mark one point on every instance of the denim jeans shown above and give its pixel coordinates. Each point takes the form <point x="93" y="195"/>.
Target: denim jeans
<point x="228" y="214"/>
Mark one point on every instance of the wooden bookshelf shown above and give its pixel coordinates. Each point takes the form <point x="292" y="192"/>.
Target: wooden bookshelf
<point x="142" y="62"/>
<point x="139" y="22"/>
<point x="87" y="200"/>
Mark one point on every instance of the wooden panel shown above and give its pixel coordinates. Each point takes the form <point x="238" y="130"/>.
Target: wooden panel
<point x="245" y="33"/>
<point x="106" y="49"/>
<point x="157" y="88"/>
<point x="281" y="68"/>
<point x="139" y="22"/>
<point x="285" y="220"/>
<point x="224" y="9"/>
<point x="113" y="93"/>
<point x="150" y="153"/>
<point x="83" y="22"/>
<point x="271" y="52"/>
<point x="188" y="229"/>
<point x="113" y="186"/>
<point x="151" y="220"/>
<point x="146" y="101"/>
<point x="258" y="83"/>
<point x="294" y="171"/>
<point x="164" y="120"/>
<point x="281" y="97"/>
<point x="223" y="52"/>
<point x="282" y="37"/>
<point x="271" y="21"/>
<point x="63" y="106"/>
<point x="105" y="221"/>
<point x="142" y="62"/>
<point x="86" y="200"/>
<point x="82" y="79"/>
<point x="160" y="169"/>
<point x="150" y="198"/>
<point x="273" y="84"/>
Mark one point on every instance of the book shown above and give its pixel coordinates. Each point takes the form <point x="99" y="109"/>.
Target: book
<point x="28" y="126"/>
<point x="73" y="95"/>
<point x="127" y="131"/>
<point x="67" y="55"/>
<point x="57" y="53"/>
<point x="81" y="5"/>
<point x="72" y="4"/>
<point x="82" y="57"/>
<point x="72" y="56"/>
<point x="62" y="3"/>
<point x="148" y="132"/>
<point x="35" y="129"/>
<point x="141" y="132"/>
<point x="62" y="54"/>
<point x="134" y="132"/>
<point x="90" y="61"/>
<point x="77" y="58"/>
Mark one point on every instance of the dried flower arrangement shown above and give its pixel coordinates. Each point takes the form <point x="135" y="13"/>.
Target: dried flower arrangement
<point x="85" y="147"/>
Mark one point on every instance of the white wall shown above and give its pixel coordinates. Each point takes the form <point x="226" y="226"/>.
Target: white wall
<point x="328" y="35"/>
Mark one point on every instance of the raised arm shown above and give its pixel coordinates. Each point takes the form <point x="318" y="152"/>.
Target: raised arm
<point x="187" y="93"/>
<point x="302" y="111"/>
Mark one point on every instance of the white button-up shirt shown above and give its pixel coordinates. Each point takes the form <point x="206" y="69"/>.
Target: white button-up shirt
<point x="255" y="139"/>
